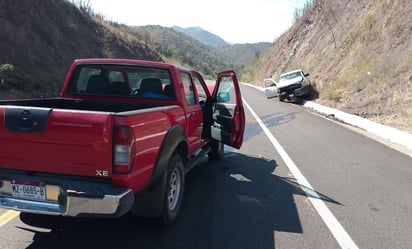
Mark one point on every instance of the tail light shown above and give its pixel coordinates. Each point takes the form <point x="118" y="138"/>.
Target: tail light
<point x="123" y="149"/>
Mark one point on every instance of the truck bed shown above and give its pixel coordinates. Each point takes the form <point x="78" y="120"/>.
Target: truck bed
<point x="47" y="130"/>
<point x="77" y="104"/>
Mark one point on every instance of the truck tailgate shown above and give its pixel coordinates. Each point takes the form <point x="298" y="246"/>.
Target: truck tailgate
<point x="56" y="141"/>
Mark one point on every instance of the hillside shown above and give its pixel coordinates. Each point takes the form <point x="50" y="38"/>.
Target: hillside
<point x="41" y="38"/>
<point x="205" y="37"/>
<point x="182" y="49"/>
<point x="243" y="54"/>
<point x="239" y="54"/>
<point x="359" y="54"/>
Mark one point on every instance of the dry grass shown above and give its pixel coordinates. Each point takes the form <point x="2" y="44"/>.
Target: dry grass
<point x="359" y="55"/>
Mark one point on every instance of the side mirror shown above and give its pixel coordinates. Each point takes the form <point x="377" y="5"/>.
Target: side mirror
<point x="307" y="74"/>
<point x="223" y="97"/>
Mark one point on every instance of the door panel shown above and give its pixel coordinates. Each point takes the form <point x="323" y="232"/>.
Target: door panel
<point x="228" y="116"/>
<point x="222" y="127"/>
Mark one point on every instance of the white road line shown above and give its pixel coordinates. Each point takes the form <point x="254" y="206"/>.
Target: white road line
<point x="341" y="236"/>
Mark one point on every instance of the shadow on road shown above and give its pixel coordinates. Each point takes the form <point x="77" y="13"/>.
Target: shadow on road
<point x="237" y="202"/>
<point x="270" y="120"/>
<point x="276" y="119"/>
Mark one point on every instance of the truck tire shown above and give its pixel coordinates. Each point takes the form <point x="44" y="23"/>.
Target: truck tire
<point x="175" y="185"/>
<point x="217" y="150"/>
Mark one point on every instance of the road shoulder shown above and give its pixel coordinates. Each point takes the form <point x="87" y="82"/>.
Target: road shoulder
<point x="392" y="137"/>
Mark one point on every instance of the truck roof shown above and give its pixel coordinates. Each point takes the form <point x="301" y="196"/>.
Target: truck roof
<point x="127" y="62"/>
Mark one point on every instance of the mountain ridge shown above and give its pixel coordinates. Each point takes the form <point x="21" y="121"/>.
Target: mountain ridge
<point x="203" y="36"/>
<point x="241" y="54"/>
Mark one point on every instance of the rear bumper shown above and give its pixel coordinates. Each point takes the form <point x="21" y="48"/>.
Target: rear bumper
<point x="75" y="198"/>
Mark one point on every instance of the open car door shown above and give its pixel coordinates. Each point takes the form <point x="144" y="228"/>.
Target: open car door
<point x="270" y="88"/>
<point x="228" y="115"/>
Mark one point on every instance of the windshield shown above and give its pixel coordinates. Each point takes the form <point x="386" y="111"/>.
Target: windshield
<point x="122" y="81"/>
<point x="289" y="76"/>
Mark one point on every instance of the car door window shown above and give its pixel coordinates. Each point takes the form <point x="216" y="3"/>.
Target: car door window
<point x="226" y="91"/>
<point x="201" y="93"/>
<point x="188" y="88"/>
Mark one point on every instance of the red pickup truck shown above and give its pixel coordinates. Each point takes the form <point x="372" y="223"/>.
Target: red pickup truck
<point x="120" y="138"/>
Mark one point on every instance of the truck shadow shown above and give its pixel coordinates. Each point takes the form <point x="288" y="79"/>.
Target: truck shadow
<point x="237" y="202"/>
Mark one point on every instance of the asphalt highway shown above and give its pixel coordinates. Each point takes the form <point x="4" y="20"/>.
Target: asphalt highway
<point x="299" y="181"/>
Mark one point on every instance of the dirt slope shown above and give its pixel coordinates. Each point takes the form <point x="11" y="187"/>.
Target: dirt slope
<point x="359" y="54"/>
<point x="40" y="39"/>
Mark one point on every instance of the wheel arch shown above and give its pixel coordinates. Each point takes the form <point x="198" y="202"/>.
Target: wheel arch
<point x="149" y="203"/>
<point x="174" y="142"/>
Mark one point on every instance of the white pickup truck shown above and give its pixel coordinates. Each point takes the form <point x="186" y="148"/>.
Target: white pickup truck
<point x="293" y="84"/>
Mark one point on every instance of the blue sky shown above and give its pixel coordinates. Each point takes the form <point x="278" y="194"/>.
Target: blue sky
<point x="236" y="21"/>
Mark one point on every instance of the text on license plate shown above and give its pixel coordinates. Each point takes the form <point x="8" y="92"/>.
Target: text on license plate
<point x="28" y="189"/>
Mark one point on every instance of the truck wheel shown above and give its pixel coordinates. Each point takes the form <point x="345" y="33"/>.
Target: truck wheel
<point x="175" y="184"/>
<point x="217" y="151"/>
<point x="283" y="96"/>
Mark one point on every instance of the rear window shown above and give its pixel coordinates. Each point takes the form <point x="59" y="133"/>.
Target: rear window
<point x="122" y="81"/>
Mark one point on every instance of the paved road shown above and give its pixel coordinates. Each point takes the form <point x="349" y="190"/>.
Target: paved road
<point x="253" y="198"/>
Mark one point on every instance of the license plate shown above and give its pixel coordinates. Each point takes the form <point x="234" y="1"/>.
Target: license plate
<point x="28" y="190"/>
